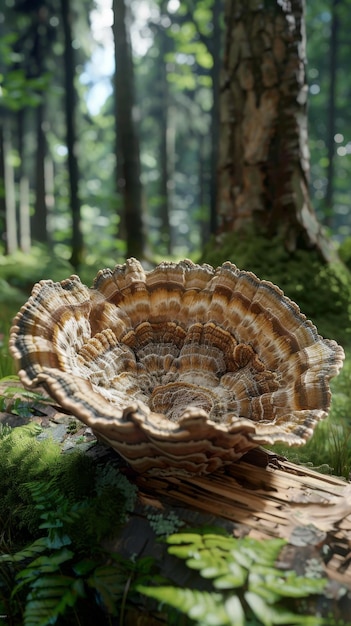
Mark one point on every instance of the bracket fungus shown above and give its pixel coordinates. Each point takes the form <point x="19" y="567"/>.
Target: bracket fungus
<point x="183" y="368"/>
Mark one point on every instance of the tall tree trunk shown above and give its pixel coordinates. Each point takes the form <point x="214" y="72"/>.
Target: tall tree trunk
<point x="127" y="141"/>
<point x="165" y="177"/>
<point x="39" y="219"/>
<point x="24" y="209"/>
<point x="215" y="49"/>
<point x="71" y="136"/>
<point x="9" y="192"/>
<point x="203" y="175"/>
<point x="2" y="186"/>
<point x="333" y="63"/>
<point x="264" y="157"/>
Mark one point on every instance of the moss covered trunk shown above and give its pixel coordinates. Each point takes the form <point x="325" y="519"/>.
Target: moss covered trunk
<point x="264" y="156"/>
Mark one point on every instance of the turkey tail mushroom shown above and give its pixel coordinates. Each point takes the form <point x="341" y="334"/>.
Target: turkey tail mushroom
<point x="183" y="368"/>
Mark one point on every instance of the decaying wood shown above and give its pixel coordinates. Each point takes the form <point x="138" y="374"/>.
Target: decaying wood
<point x="267" y="496"/>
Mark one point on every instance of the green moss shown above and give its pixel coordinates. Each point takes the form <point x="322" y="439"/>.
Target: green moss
<point x="25" y="461"/>
<point x="323" y="291"/>
<point x="164" y="525"/>
<point x="22" y="459"/>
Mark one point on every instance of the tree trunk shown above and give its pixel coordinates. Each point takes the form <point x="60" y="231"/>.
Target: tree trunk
<point x="127" y="141"/>
<point x="2" y="186"/>
<point x="39" y="220"/>
<point x="9" y="192"/>
<point x="204" y="175"/>
<point x="263" y="155"/>
<point x="165" y="178"/>
<point x="71" y="136"/>
<point x="333" y="62"/>
<point x="24" y="207"/>
<point x="215" y="49"/>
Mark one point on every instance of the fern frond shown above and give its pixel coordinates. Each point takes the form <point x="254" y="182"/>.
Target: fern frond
<point x="109" y="582"/>
<point x="270" y="615"/>
<point x="40" y="567"/>
<point x="225" y="559"/>
<point x="247" y="587"/>
<point x="204" y="607"/>
<point x="29" y="552"/>
<point x="50" y="597"/>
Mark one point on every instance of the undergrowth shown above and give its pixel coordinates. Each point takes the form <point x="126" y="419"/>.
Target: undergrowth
<point x="25" y="461"/>
<point x="65" y="505"/>
<point x="64" y="576"/>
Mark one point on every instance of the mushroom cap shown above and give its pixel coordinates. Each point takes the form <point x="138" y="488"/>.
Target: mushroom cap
<point x="182" y="368"/>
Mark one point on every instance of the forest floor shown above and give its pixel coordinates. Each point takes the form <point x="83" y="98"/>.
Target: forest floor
<point x="262" y="496"/>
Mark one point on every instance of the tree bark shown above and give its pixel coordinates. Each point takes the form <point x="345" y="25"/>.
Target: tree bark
<point x="9" y="192"/>
<point x="71" y="136"/>
<point x="39" y="219"/>
<point x="164" y="146"/>
<point x="215" y="47"/>
<point x="127" y="141"/>
<point x="2" y="186"/>
<point x="23" y="184"/>
<point x="333" y="62"/>
<point x="264" y="156"/>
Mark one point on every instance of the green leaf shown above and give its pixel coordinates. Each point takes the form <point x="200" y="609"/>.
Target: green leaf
<point x="50" y="597"/>
<point x="193" y="539"/>
<point x="109" y="581"/>
<point x="205" y="607"/>
<point x="40" y="567"/>
<point x="84" y="566"/>
<point x="291" y="585"/>
<point x="277" y="614"/>
<point x="232" y="580"/>
<point x="235" y="610"/>
<point x="29" y="552"/>
<point x="222" y="542"/>
<point x="264" y="552"/>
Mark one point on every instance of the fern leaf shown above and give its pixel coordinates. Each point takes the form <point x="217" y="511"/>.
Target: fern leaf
<point x="205" y="607"/>
<point x="262" y="552"/>
<point x="235" y="610"/>
<point x="194" y="539"/>
<point x="236" y="577"/>
<point x="288" y="584"/>
<point x="215" y="557"/>
<point x="210" y="563"/>
<point x="219" y="542"/>
<point x="83" y="567"/>
<point x="277" y="614"/>
<point x="50" y="597"/>
<point x="41" y="566"/>
<point x="110" y="583"/>
<point x="29" y="552"/>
